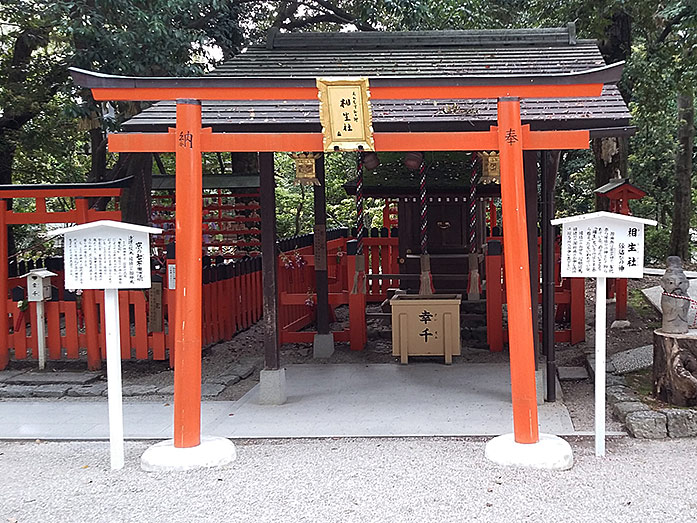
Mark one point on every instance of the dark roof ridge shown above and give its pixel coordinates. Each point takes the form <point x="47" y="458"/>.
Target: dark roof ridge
<point x="419" y="39"/>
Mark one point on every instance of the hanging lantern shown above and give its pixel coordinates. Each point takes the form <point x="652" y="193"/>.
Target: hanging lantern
<point x="491" y="167"/>
<point x="413" y="161"/>
<point x="371" y="160"/>
<point x="305" y="168"/>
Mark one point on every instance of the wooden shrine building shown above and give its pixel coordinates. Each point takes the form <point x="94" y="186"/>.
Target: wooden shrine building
<point x="528" y="94"/>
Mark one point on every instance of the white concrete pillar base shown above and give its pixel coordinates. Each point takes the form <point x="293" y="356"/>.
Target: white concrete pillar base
<point x="551" y="452"/>
<point x="323" y="346"/>
<point x="165" y="457"/>
<point x="272" y="387"/>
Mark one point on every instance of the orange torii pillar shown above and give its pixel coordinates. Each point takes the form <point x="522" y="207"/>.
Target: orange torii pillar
<point x="187" y="449"/>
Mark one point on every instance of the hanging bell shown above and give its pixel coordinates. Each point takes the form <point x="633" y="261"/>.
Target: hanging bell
<point x="305" y="168"/>
<point x="491" y="167"/>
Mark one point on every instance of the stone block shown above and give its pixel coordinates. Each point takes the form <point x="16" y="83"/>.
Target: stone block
<point x="166" y="391"/>
<point x="225" y="380"/>
<point x="272" y="387"/>
<point x="623" y="408"/>
<point x="17" y="391"/>
<point x="7" y="374"/>
<point x="243" y="369"/>
<point x="590" y="365"/>
<point x="632" y="360"/>
<point x="572" y="373"/>
<point x="647" y="424"/>
<point x="612" y="380"/>
<point x="682" y="423"/>
<point x="618" y="393"/>
<point x="210" y="390"/>
<point x="54" y="390"/>
<point x="620" y="324"/>
<point x="86" y="391"/>
<point x="139" y="390"/>
<point x="47" y="378"/>
<point x="323" y="346"/>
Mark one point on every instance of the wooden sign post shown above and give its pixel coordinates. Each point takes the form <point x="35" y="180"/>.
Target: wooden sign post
<point x="111" y="256"/>
<point x="602" y="245"/>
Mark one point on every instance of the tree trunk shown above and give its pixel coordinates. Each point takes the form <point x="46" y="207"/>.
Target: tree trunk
<point x="610" y="154"/>
<point x="610" y="161"/>
<point x="135" y="201"/>
<point x="680" y="231"/>
<point x="245" y="163"/>
<point x="675" y="368"/>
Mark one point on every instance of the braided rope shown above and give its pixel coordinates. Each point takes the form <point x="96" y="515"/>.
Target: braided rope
<point x="693" y="305"/>
<point x="360" y="223"/>
<point x="473" y="206"/>
<point x="424" y="208"/>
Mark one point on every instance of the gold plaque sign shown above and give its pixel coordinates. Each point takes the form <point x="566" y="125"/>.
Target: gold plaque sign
<point x="345" y="114"/>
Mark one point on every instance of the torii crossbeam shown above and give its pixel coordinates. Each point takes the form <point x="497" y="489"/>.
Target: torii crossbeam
<point x="189" y="139"/>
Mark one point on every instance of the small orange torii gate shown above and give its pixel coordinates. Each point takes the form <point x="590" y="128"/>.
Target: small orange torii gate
<point x="82" y="213"/>
<point x="189" y="140"/>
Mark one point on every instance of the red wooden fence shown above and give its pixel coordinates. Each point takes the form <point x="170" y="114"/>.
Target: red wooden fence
<point x="569" y="299"/>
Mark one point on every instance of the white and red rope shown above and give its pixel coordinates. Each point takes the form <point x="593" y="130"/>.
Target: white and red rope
<point x="693" y="305"/>
<point x="360" y="223"/>
<point x="424" y="208"/>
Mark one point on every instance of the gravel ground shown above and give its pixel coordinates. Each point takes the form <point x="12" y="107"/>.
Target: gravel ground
<point x="350" y="480"/>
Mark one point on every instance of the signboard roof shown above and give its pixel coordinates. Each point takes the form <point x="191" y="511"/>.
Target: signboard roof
<point x="105" y="224"/>
<point x="603" y="214"/>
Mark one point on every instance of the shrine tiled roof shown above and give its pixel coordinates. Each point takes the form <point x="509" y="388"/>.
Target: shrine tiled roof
<point x="492" y="53"/>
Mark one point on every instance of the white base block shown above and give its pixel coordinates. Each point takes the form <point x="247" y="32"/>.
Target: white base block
<point x="165" y="457"/>
<point x="551" y="452"/>
<point x="272" y="387"/>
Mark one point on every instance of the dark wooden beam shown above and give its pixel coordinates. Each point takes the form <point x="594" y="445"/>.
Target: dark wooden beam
<point x="550" y="166"/>
<point x="320" y="240"/>
<point x="531" y="175"/>
<point x="269" y="264"/>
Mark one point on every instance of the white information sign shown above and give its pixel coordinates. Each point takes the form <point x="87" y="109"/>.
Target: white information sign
<point x="107" y="258"/>
<point x="109" y="255"/>
<point x="602" y="245"/>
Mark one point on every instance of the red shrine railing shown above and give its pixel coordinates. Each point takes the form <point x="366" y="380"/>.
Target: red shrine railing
<point x="232" y="301"/>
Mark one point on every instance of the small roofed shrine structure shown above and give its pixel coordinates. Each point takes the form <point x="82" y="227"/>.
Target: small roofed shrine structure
<point x="619" y="192"/>
<point x="527" y="94"/>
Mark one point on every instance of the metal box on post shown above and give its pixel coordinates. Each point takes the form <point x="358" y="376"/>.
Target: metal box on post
<point x="426" y="325"/>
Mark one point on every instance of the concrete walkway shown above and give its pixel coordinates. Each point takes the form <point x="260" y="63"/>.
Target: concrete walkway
<point x="420" y="399"/>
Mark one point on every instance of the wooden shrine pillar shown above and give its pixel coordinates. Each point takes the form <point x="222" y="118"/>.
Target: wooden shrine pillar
<point x="269" y="261"/>
<point x="531" y="175"/>
<point x="320" y="248"/>
<point x="517" y="266"/>
<point x="550" y="166"/>
<point x="189" y="286"/>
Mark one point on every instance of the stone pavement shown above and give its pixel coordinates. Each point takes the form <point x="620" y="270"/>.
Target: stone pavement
<point x="340" y="400"/>
<point x="32" y="383"/>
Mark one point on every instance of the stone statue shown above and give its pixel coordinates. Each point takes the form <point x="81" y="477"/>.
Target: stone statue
<point x="674" y="283"/>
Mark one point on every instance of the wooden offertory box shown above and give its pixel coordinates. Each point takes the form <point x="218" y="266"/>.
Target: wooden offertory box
<point x="426" y="325"/>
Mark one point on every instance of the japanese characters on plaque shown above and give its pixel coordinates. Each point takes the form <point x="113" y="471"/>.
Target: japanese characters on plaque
<point x="346" y="114"/>
<point x="107" y="259"/>
<point x="602" y="245"/>
<point x="429" y="331"/>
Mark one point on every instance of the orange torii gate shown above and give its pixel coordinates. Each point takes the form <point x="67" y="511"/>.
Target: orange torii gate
<point x="188" y="140"/>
